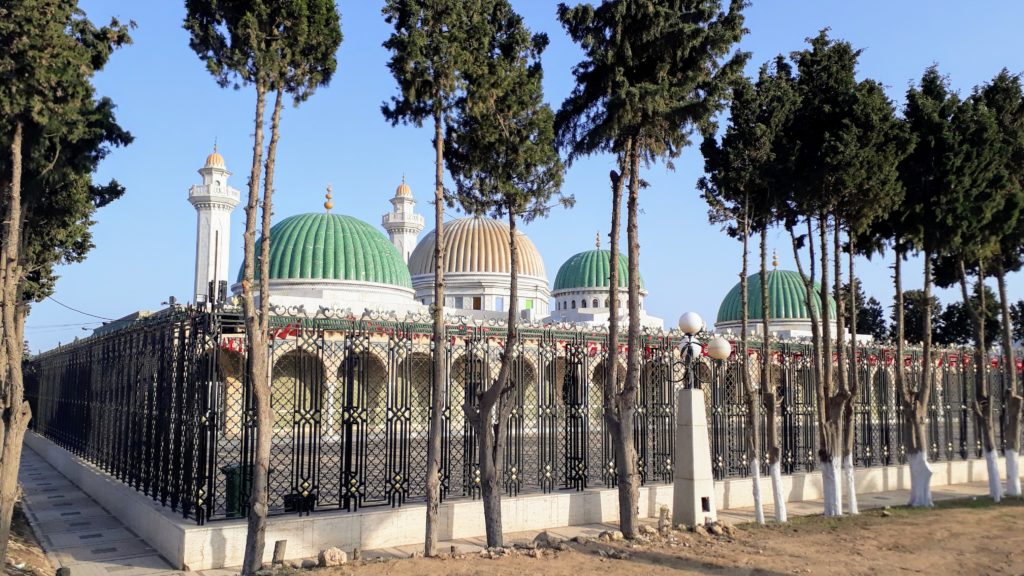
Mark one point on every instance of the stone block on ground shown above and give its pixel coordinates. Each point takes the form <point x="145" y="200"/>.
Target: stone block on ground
<point x="332" y="557"/>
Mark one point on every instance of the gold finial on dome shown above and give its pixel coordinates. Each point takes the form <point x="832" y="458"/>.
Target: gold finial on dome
<point x="328" y="204"/>
<point x="597" y="240"/>
<point x="775" y="259"/>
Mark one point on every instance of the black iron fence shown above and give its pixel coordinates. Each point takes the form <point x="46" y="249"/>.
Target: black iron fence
<point x="164" y="406"/>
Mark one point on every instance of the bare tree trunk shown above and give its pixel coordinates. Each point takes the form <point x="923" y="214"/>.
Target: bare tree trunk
<point x="492" y="415"/>
<point x="769" y="392"/>
<point x="257" y="365"/>
<point x="831" y="446"/>
<point x="16" y="411"/>
<point x="847" y="379"/>
<point x="752" y="392"/>
<point x="915" y="405"/>
<point x="1014" y="401"/>
<point x="983" y="403"/>
<point x="628" y="479"/>
<point x="818" y="361"/>
<point x="611" y="381"/>
<point x="440" y="366"/>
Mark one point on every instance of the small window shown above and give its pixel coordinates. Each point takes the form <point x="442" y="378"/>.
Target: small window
<point x="499" y="303"/>
<point x="459" y="302"/>
<point x="574" y="304"/>
<point x="529" y="303"/>
<point x="606" y="303"/>
<point x="595" y="303"/>
<point x="478" y="303"/>
<point x="583" y="303"/>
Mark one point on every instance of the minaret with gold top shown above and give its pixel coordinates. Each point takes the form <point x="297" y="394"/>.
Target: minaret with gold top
<point x="213" y="200"/>
<point x="402" y="224"/>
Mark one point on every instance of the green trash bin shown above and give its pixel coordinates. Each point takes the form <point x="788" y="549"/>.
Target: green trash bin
<point x="234" y="499"/>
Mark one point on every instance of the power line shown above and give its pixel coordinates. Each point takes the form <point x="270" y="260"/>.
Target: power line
<point x="79" y="311"/>
<point x="39" y="326"/>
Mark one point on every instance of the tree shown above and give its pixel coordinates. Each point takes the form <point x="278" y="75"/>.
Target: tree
<point x="977" y="181"/>
<point x="871" y="315"/>
<point x="502" y="155"/>
<point x="1017" y="318"/>
<point x="433" y="44"/>
<point x="844" y="145"/>
<point x="280" y="47"/>
<point x="739" y="189"/>
<point x="1004" y="97"/>
<point x="873" y="190"/>
<point x="54" y="133"/>
<point x="914" y="305"/>
<point x="954" y="327"/>
<point x="670" y="69"/>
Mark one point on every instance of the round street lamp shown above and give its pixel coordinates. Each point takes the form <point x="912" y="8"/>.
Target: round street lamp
<point x="692" y="326"/>
<point x="719" y="348"/>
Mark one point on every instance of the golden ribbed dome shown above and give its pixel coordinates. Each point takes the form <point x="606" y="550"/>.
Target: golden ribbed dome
<point x="215" y="160"/>
<point x="477" y="245"/>
<point x="403" y="189"/>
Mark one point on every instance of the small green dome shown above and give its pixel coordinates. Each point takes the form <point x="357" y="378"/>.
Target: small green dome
<point x="590" y="270"/>
<point x="332" y="247"/>
<point x="786" y="299"/>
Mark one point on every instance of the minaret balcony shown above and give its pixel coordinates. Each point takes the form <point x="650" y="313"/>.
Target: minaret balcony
<point x="207" y="193"/>
<point x="393" y="220"/>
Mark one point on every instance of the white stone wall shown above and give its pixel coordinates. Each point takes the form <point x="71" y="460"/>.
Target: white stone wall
<point x="491" y="288"/>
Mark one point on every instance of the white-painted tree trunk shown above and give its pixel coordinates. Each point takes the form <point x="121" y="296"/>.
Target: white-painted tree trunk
<point x="851" y="485"/>
<point x="755" y="477"/>
<point x="831" y="487"/>
<point x="920" y="480"/>
<point x="995" y="488"/>
<point x="775" y="470"/>
<point x="1012" y="473"/>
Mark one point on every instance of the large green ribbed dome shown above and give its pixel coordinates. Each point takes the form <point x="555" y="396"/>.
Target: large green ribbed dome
<point x="590" y="270"/>
<point x="332" y="247"/>
<point x="786" y="299"/>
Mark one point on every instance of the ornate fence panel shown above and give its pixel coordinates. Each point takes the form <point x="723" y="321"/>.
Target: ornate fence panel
<point x="164" y="405"/>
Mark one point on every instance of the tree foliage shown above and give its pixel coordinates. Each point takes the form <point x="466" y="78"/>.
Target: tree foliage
<point x="913" y="314"/>
<point x="55" y="131"/>
<point x="870" y="315"/>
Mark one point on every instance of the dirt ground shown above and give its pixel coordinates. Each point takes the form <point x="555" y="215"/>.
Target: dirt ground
<point x="971" y="536"/>
<point x="24" y="555"/>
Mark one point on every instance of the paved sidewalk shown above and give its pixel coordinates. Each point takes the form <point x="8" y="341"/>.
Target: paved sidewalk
<point x="77" y="532"/>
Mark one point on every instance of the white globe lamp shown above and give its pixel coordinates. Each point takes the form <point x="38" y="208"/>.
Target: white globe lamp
<point x="691" y="323"/>
<point x="719" y="348"/>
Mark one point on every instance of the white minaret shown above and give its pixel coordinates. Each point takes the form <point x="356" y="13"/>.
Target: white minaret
<point x="214" y="200"/>
<point x="403" y="225"/>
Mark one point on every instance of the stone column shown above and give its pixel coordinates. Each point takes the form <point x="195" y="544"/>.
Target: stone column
<point x="693" y="492"/>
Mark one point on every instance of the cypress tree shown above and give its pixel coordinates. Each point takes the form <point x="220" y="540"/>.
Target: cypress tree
<point x="433" y="44"/>
<point x="654" y="71"/>
<point x="54" y="134"/>
<point x="280" y="47"/>
<point x="505" y="164"/>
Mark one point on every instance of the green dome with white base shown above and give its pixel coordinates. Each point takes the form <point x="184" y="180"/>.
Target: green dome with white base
<point x="787" y="299"/>
<point x="333" y="247"/>
<point x="590" y="269"/>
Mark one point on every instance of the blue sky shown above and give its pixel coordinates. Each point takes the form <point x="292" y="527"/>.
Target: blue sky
<point x="145" y="242"/>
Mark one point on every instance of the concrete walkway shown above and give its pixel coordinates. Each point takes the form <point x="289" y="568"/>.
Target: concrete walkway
<point x="77" y="532"/>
